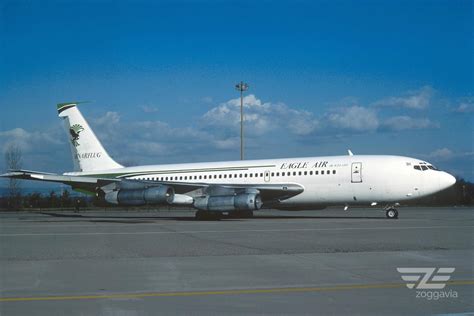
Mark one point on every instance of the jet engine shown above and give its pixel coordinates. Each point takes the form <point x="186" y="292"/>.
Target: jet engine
<point x="154" y="195"/>
<point x="238" y="202"/>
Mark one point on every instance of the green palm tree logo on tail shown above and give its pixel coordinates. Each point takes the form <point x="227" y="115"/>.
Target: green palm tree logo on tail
<point x="75" y="130"/>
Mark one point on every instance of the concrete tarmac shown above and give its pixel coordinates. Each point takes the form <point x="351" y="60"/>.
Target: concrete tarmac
<point x="311" y="262"/>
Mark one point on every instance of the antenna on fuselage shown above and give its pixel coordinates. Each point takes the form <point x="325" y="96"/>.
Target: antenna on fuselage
<point x="350" y="152"/>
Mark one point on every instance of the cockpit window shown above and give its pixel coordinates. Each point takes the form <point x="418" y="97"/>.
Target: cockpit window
<point x="424" y="166"/>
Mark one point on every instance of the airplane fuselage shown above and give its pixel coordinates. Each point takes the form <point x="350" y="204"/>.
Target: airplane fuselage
<point x="331" y="180"/>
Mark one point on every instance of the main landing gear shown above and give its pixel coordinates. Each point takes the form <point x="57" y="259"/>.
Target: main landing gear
<point x="391" y="212"/>
<point x="202" y="215"/>
<point x="208" y="216"/>
<point x="241" y="214"/>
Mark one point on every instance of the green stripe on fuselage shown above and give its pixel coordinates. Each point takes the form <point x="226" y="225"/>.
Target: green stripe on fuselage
<point x="176" y="171"/>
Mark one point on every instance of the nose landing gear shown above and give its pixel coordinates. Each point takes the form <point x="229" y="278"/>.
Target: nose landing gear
<point x="391" y="213"/>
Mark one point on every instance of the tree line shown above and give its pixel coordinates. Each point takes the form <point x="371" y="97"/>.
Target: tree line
<point x="38" y="200"/>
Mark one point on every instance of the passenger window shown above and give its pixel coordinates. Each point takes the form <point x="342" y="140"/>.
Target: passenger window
<point x="245" y="175"/>
<point x="251" y="175"/>
<point x="294" y="173"/>
<point x="334" y="172"/>
<point x="299" y="173"/>
<point x="322" y="171"/>
<point x="306" y="173"/>
<point x="261" y="175"/>
<point x="311" y="173"/>
<point x="240" y="175"/>
<point x="220" y="176"/>
<point x="273" y="174"/>
<point x="278" y="174"/>
<point x="256" y="175"/>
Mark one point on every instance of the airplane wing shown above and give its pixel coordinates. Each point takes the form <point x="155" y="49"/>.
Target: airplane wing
<point x="270" y="193"/>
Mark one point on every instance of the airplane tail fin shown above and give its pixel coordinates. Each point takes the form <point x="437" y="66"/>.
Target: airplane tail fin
<point x="87" y="151"/>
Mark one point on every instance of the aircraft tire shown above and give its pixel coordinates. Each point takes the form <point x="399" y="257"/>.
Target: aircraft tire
<point x="391" y="213"/>
<point x="207" y="216"/>
<point x="241" y="214"/>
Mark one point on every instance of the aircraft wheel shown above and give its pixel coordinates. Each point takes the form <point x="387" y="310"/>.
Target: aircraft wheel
<point x="207" y="216"/>
<point x="247" y="214"/>
<point x="392" y="213"/>
<point x="198" y="215"/>
<point x="241" y="214"/>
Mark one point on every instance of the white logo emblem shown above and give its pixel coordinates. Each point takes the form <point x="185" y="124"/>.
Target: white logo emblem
<point x="426" y="278"/>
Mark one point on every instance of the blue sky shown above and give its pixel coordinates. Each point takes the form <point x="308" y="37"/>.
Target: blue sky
<point x="379" y="77"/>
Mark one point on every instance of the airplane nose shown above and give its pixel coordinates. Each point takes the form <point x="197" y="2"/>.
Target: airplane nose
<point x="446" y="180"/>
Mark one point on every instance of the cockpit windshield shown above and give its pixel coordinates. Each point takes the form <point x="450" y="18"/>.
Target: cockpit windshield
<point x="422" y="166"/>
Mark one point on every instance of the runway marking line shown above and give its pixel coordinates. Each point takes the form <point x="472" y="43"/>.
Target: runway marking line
<point x="220" y="292"/>
<point x="231" y="231"/>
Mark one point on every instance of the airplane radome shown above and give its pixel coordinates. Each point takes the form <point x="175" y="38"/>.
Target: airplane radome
<point x="241" y="187"/>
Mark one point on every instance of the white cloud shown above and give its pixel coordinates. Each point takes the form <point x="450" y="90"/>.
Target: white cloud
<point x="398" y="123"/>
<point x="260" y="117"/>
<point x="355" y="118"/>
<point x="148" y="109"/>
<point x="415" y="99"/>
<point x="444" y="154"/>
<point x="108" y="119"/>
<point x="30" y="141"/>
<point x="466" y="105"/>
<point x="441" y="154"/>
<point x="229" y="143"/>
<point x="148" y="148"/>
<point x="207" y="99"/>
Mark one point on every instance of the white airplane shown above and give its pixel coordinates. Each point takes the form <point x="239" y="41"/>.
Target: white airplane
<point x="241" y="187"/>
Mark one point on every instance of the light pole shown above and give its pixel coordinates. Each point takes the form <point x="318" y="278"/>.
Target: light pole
<point x="242" y="86"/>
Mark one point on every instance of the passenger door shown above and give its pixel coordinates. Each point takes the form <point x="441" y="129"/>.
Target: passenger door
<point x="356" y="172"/>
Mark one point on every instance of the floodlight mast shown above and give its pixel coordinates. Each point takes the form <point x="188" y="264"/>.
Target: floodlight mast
<point x="242" y="86"/>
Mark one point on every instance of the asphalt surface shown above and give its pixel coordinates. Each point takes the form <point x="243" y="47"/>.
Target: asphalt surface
<point x="311" y="262"/>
